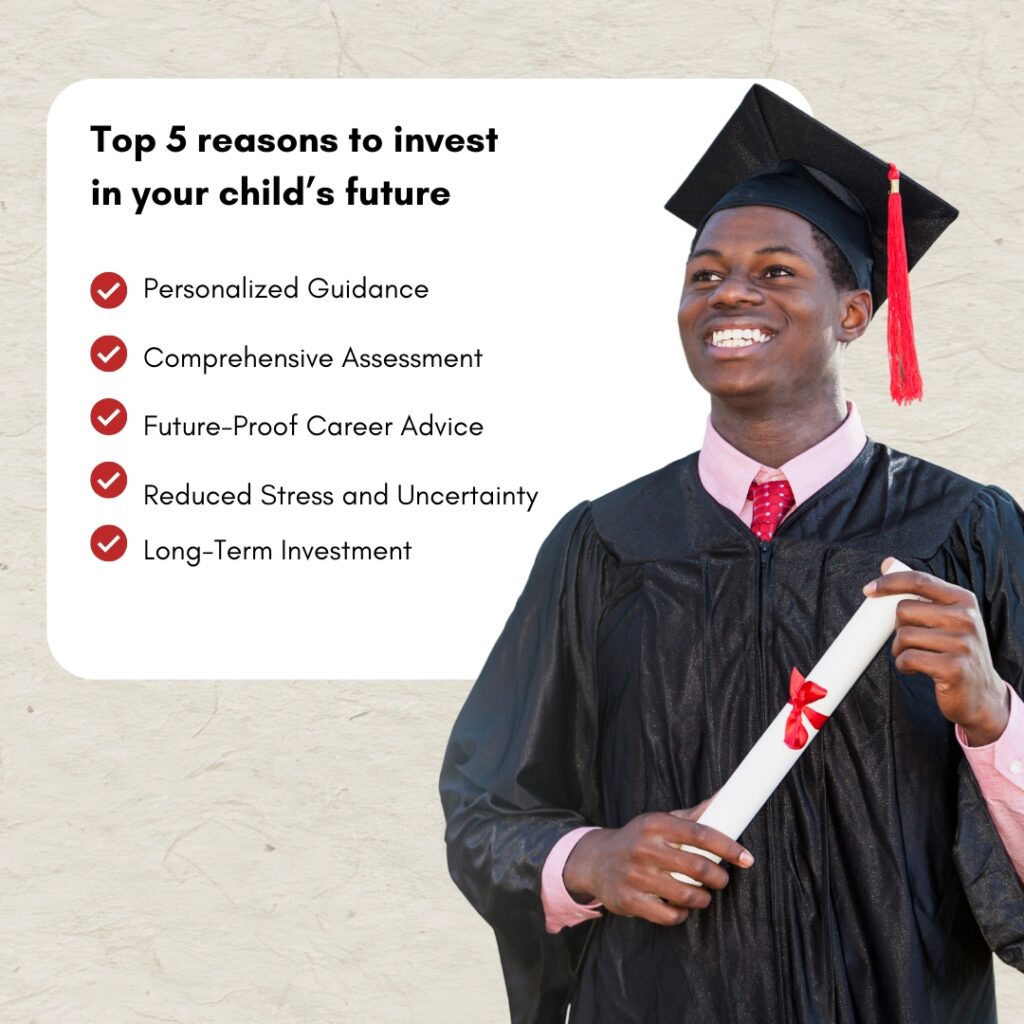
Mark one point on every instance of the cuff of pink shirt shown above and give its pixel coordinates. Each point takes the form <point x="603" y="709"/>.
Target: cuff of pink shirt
<point x="560" y="909"/>
<point x="1002" y="757"/>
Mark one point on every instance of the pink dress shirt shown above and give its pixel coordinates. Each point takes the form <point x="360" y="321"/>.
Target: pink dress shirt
<point x="726" y="474"/>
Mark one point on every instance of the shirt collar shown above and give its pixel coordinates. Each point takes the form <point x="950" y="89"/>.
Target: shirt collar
<point x="727" y="473"/>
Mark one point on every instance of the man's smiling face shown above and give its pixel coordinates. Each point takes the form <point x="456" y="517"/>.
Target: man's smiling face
<point x="760" y="316"/>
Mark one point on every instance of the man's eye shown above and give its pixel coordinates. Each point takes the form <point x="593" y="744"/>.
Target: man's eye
<point x="778" y="271"/>
<point x="704" y="275"/>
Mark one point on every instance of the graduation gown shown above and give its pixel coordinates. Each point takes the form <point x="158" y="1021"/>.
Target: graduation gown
<point x="651" y="647"/>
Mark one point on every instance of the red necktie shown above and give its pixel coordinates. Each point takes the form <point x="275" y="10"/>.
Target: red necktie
<point x="772" y="500"/>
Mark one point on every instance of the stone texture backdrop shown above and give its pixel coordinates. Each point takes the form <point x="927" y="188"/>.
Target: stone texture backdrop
<point x="270" y="853"/>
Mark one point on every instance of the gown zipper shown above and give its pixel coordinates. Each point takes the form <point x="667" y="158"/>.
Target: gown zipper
<point x="768" y="711"/>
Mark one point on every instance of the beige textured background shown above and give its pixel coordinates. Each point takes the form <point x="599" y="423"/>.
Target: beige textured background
<point x="194" y="852"/>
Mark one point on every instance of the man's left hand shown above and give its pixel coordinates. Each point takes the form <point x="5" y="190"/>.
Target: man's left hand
<point x="943" y="636"/>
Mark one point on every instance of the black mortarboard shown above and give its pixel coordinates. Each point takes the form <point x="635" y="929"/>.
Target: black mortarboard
<point x="771" y="153"/>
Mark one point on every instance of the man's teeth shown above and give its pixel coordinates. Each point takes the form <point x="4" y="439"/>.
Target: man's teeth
<point x="736" y="338"/>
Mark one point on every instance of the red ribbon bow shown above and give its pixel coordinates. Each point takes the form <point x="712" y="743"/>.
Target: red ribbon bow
<point x="801" y="693"/>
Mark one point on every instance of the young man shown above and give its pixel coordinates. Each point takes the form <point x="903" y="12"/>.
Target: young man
<point x="656" y="636"/>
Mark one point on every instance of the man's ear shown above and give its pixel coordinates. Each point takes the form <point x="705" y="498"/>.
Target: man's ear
<point x="855" y="307"/>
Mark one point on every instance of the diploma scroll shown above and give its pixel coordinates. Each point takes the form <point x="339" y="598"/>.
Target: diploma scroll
<point x="799" y="721"/>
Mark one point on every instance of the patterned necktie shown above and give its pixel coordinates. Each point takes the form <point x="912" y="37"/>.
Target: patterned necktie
<point x="772" y="500"/>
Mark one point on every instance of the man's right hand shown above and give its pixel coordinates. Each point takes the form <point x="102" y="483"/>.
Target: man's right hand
<point x="628" y="869"/>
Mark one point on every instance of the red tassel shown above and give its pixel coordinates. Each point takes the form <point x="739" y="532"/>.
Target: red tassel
<point x="904" y="374"/>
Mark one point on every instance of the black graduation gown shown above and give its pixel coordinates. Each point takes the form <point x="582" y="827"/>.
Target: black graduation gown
<point x="650" y="648"/>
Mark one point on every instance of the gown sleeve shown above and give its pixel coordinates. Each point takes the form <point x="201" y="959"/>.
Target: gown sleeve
<point x="985" y="554"/>
<point x="519" y="771"/>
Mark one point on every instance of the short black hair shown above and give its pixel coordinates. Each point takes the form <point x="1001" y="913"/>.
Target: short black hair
<point x="838" y="265"/>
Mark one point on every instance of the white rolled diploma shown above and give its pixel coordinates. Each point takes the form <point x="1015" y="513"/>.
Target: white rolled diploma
<point x="761" y="771"/>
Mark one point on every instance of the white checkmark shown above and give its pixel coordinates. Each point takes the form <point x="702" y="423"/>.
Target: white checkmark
<point x="106" y="547"/>
<point x="110" y="355"/>
<point x="106" y="483"/>
<point x="107" y="420"/>
<point x="104" y="295"/>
